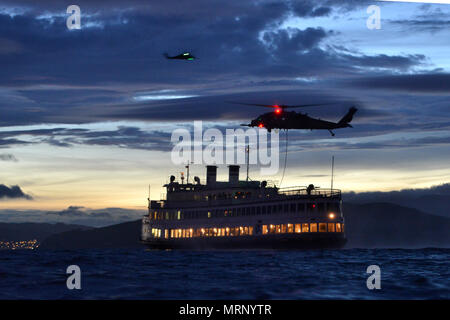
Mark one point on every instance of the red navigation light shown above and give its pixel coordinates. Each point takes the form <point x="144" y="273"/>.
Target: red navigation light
<point x="261" y="125"/>
<point x="313" y="205"/>
<point x="277" y="110"/>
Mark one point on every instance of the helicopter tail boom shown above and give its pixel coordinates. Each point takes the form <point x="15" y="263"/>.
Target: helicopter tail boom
<point x="345" y="121"/>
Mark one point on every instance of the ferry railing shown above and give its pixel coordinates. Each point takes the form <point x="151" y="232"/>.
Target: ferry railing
<point x="303" y="191"/>
<point x="283" y="193"/>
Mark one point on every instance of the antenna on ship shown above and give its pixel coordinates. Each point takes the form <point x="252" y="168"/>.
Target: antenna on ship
<point x="187" y="171"/>
<point x="332" y="172"/>
<point x="247" y="150"/>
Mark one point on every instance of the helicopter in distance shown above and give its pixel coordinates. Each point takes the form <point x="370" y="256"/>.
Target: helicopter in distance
<point x="183" y="56"/>
<point x="282" y="119"/>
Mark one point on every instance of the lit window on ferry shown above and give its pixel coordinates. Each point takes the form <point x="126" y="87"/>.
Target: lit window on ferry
<point x="166" y="233"/>
<point x="322" y="227"/>
<point x="271" y="228"/>
<point x="338" y="227"/>
<point x="236" y="231"/>
<point x="283" y="228"/>
<point x="227" y="231"/>
<point x="298" y="228"/>
<point x="290" y="228"/>
<point x="313" y="227"/>
<point x="278" y="228"/>
<point x="305" y="228"/>
<point x="250" y="231"/>
<point x="331" y="227"/>
<point x="209" y="214"/>
<point x="264" y="229"/>
<point x="179" y="215"/>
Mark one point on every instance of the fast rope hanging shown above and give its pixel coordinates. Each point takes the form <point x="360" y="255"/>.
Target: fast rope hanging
<point x="285" y="158"/>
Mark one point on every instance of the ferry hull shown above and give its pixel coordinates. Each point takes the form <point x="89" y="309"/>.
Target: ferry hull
<point x="271" y="241"/>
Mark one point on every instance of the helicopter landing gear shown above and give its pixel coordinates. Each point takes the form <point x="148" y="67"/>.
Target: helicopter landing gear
<point x="332" y="133"/>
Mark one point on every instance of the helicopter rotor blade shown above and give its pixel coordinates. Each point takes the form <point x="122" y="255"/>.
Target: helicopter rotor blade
<point x="252" y="104"/>
<point x="305" y="105"/>
<point x="281" y="106"/>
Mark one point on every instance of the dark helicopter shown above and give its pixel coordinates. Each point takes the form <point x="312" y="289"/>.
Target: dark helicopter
<point x="182" y="56"/>
<point x="281" y="119"/>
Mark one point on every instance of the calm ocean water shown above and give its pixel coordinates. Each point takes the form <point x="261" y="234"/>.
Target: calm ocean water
<point x="142" y="274"/>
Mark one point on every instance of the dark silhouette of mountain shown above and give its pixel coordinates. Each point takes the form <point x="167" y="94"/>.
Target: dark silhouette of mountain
<point x="387" y="225"/>
<point x="434" y="200"/>
<point x="29" y="231"/>
<point x="373" y="225"/>
<point x="122" y="235"/>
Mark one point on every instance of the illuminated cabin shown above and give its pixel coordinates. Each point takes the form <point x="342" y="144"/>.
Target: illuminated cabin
<point x="243" y="214"/>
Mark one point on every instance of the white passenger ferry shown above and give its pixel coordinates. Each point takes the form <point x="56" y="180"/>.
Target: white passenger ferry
<point x="243" y="214"/>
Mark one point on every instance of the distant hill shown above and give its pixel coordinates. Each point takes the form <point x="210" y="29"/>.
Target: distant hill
<point x="434" y="200"/>
<point x="373" y="225"/>
<point x="122" y="235"/>
<point x="387" y="225"/>
<point x="29" y="231"/>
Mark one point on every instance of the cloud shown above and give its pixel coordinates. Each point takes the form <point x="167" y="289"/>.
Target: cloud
<point x="8" y="157"/>
<point x="13" y="192"/>
<point x="114" y="70"/>
<point x="415" y="83"/>
<point x="431" y="19"/>
<point x="71" y="211"/>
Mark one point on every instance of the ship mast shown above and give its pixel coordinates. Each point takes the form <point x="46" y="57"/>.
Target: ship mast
<point x="247" y="150"/>
<point x="332" y="172"/>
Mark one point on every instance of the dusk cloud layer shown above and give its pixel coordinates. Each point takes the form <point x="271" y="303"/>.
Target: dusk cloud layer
<point x="12" y="192"/>
<point x="89" y="113"/>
